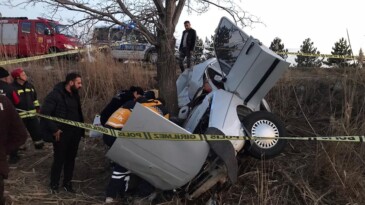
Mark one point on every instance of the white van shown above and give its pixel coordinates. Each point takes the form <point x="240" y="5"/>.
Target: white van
<point x="134" y="51"/>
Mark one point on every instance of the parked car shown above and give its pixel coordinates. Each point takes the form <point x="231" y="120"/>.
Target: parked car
<point x="134" y="51"/>
<point x="20" y="36"/>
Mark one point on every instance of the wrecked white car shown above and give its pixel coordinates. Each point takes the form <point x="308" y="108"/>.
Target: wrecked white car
<point x="239" y="78"/>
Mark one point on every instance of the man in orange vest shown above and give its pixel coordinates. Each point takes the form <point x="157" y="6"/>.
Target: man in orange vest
<point x="121" y="176"/>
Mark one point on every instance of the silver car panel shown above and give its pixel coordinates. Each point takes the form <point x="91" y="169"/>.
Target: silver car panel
<point x="197" y="113"/>
<point x="190" y="81"/>
<point x="165" y="164"/>
<point x="223" y="115"/>
<point x="251" y="68"/>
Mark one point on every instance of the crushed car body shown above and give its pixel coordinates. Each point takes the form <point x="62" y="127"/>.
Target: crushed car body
<point x="240" y="76"/>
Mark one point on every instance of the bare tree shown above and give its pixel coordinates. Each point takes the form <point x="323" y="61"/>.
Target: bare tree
<point x="156" y="20"/>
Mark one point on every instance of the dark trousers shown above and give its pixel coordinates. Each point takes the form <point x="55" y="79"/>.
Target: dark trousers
<point x="184" y="53"/>
<point x="64" y="154"/>
<point x="2" y="199"/>
<point x="32" y="124"/>
<point x="122" y="181"/>
<point x="118" y="182"/>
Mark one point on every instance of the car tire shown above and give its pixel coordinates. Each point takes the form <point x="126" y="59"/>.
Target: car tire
<point x="263" y="123"/>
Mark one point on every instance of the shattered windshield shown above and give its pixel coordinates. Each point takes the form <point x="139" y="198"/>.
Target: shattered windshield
<point x="62" y="29"/>
<point x="228" y="43"/>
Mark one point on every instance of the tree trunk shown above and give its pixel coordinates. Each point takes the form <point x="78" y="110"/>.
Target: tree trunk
<point x="166" y="71"/>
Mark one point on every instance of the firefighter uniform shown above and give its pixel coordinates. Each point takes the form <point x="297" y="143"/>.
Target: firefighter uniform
<point x="28" y="101"/>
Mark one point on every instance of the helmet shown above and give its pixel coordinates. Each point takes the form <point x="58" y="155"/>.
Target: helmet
<point x="16" y="73"/>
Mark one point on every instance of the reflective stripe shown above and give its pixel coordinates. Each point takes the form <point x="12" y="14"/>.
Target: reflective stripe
<point x="26" y="90"/>
<point x="115" y="125"/>
<point x="117" y="177"/>
<point x="126" y="182"/>
<point x="36" y="103"/>
<point x="38" y="142"/>
<point x="128" y="172"/>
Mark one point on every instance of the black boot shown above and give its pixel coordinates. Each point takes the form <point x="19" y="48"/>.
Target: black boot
<point x="54" y="189"/>
<point x="68" y="187"/>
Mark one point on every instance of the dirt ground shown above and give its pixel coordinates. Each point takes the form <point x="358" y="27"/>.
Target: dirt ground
<point x="29" y="178"/>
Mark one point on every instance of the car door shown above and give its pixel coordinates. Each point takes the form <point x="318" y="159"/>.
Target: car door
<point x="26" y="39"/>
<point x="139" y="51"/>
<point x="40" y="38"/>
<point x="251" y="69"/>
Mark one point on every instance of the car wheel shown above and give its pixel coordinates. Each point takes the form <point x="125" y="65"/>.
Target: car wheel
<point x="265" y="124"/>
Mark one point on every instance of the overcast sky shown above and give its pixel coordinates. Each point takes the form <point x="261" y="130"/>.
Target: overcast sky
<point x="323" y="21"/>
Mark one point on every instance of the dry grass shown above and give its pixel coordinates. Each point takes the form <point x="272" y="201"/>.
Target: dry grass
<point x="312" y="102"/>
<point x="101" y="79"/>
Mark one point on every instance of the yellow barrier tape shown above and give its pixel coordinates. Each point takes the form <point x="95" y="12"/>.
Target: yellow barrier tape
<point x="52" y="55"/>
<point x="189" y="137"/>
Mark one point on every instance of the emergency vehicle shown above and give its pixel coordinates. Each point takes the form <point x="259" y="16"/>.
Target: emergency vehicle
<point x="21" y="37"/>
<point x="126" y="42"/>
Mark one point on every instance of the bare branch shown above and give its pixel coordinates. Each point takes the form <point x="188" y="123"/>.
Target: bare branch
<point x="142" y="28"/>
<point x="160" y="8"/>
<point x="177" y="13"/>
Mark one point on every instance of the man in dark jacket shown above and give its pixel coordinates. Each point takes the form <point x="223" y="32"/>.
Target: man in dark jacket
<point x="63" y="102"/>
<point x="12" y="135"/>
<point x="116" y="102"/>
<point x="187" y="45"/>
<point x="29" y="102"/>
<point x="5" y="88"/>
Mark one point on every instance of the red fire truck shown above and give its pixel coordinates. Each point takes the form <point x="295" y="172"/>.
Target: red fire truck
<point x="21" y="37"/>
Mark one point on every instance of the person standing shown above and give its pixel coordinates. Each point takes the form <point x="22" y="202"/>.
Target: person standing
<point x="12" y="135"/>
<point x="63" y="102"/>
<point x="187" y="45"/>
<point x="5" y="88"/>
<point x="29" y="102"/>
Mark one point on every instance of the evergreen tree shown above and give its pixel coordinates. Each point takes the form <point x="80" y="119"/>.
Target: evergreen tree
<point x="278" y="47"/>
<point x="341" y="48"/>
<point x="209" y="47"/>
<point x="308" y="61"/>
<point x="198" y="51"/>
